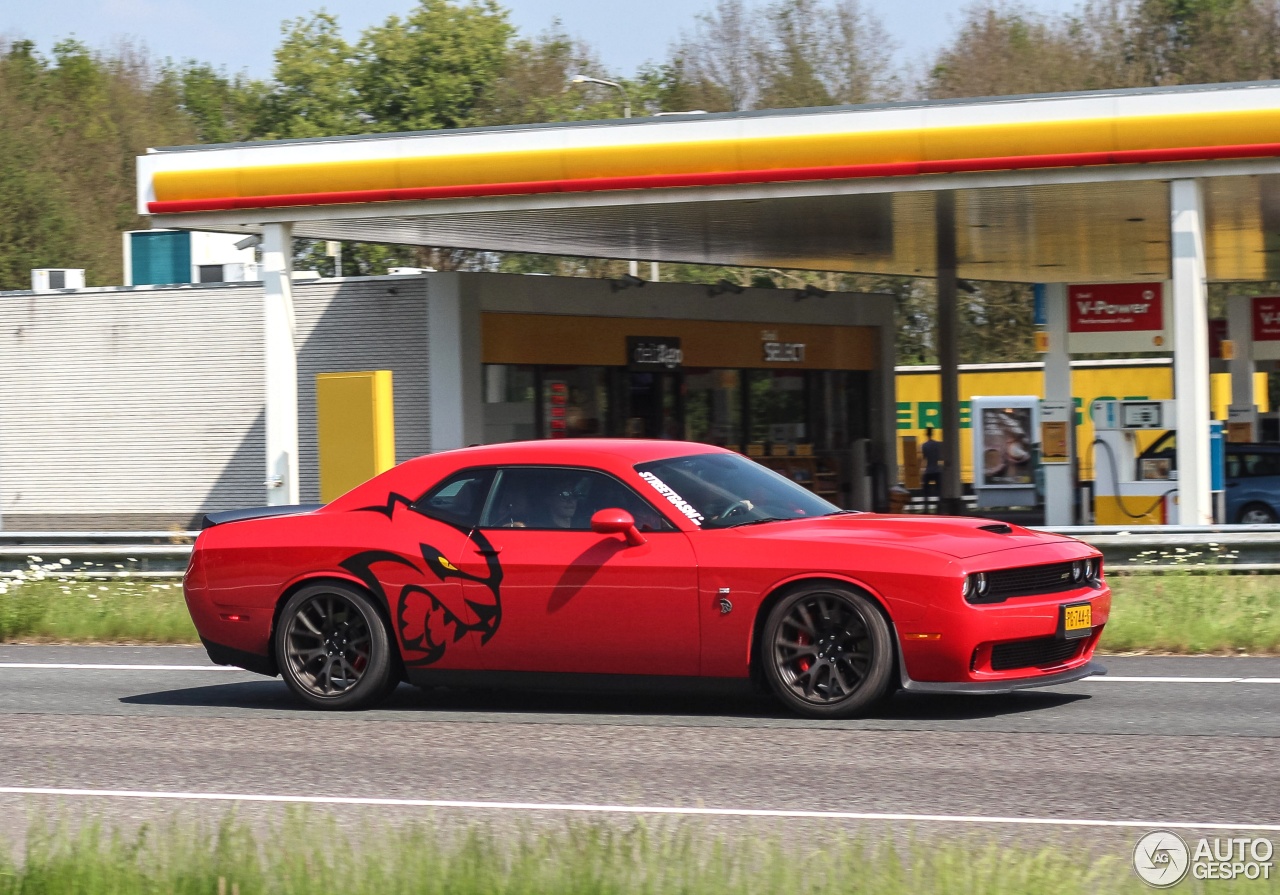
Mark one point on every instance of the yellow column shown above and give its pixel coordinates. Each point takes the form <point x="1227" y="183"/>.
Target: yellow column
<point x="355" y="423"/>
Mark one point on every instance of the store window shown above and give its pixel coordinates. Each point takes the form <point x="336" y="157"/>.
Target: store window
<point x="776" y="402"/>
<point x="649" y="405"/>
<point x="713" y="407"/>
<point x="510" y="403"/>
<point x="575" y="402"/>
<point x="840" y="409"/>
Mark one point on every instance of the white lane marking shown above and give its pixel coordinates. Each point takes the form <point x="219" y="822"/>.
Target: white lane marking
<point x="90" y="667"/>
<point x="631" y="809"/>
<point x="1120" y="679"/>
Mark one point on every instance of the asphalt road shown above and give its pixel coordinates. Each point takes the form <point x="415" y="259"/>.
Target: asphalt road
<point x="1165" y="740"/>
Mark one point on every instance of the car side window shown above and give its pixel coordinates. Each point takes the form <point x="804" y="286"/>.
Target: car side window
<point x="459" y="499"/>
<point x="1252" y="465"/>
<point x="1266" y="464"/>
<point x="551" y="498"/>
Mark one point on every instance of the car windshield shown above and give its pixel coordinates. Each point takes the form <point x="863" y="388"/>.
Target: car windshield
<point x="725" y="490"/>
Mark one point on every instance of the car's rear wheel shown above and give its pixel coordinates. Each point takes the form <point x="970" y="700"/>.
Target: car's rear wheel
<point x="827" y="651"/>
<point x="1256" y="514"/>
<point x="333" y="648"/>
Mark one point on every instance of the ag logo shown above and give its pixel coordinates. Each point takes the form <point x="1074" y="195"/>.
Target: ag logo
<point x="1161" y="859"/>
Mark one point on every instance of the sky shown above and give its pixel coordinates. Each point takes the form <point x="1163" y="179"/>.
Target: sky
<point x="240" y="35"/>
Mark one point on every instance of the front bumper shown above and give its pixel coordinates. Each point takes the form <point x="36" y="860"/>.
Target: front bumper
<point x="1012" y="644"/>
<point x="993" y="687"/>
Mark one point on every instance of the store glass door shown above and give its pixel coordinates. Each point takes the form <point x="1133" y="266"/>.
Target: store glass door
<point x="651" y="405"/>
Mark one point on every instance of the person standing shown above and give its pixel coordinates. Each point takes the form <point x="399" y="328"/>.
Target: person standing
<point x="931" y="468"/>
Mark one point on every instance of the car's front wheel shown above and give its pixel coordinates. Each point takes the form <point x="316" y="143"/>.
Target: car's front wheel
<point x="333" y="648"/>
<point x="1256" y="514"/>
<point x="827" y="651"/>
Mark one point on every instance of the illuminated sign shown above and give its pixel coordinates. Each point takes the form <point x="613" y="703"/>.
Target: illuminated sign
<point x="648" y="353"/>
<point x="1115" y="307"/>
<point x="784" y="352"/>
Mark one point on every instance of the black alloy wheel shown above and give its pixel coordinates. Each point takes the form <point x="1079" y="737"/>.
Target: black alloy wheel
<point x="1256" y="514"/>
<point x="333" y="648"/>
<point x="827" y="652"/>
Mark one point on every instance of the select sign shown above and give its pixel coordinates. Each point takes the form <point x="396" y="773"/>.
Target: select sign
<point x="784" y="352"/>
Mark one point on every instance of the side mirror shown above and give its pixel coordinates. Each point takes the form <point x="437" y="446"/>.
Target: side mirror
<point x="617" y="522"/>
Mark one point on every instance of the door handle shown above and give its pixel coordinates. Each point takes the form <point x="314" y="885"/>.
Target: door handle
<point x="488" y="551"/>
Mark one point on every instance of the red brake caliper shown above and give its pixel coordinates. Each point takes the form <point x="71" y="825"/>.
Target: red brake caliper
<point x="803" y="639"/>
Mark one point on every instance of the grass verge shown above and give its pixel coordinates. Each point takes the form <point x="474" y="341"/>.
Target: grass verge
<point x="1180" y="612"/>
<point x="1177" y="612"/>
<point x="46" y="606"/>
<point x="307" y="852"/>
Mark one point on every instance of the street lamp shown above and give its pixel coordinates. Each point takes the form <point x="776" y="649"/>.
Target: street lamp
<point x="587" y="79"/>
<point x="626" y="113"/>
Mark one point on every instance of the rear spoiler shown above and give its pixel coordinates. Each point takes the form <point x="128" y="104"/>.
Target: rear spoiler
<point x="293" y="509"/>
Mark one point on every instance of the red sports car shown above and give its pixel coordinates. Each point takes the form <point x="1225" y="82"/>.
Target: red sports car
<point x="609" y="560"/>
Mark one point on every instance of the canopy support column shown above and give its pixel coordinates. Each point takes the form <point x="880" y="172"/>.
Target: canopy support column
<point x="1191" y="351"/>
<point x="281" y="358"/>
<point x="948" y="352"/>
<point x="1059" y="478"/>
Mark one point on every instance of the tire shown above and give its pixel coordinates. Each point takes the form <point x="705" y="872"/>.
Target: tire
<point x="334" y="649"/>
<point x="827" y="652"/>
<point x="1256" y="514"/>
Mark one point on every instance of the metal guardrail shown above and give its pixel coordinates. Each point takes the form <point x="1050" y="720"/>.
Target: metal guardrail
<point x="1197" y="548"/>
<point x="150" y="554"/>
<point x="95" y="554"/>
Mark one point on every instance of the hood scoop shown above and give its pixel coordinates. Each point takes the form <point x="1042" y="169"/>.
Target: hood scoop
<point x="999" y="528"/>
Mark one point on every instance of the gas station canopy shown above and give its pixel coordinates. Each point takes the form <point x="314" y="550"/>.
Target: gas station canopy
<point x="1178" y="185"/>
<point x="1061" y="188"/>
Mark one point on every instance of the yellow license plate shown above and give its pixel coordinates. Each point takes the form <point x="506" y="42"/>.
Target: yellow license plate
<point x="1077" y="618"/>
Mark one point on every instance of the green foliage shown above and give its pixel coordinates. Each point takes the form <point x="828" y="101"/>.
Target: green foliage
<point x="1007" y="48"/>
<point x="364" y="854"/>
<point x="221" y="108"/>
<point x="1180" y="612"/>
<point x="782" y="54"/>
<point x="534" y="86"/>
<point x="433" y="68"/>
<point x="72" y="128"/>
<point x="315" y="91"/>
<point x="45" y="604"/>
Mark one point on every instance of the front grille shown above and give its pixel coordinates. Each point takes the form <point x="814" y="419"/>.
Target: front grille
<point x="1034" y="653"/>
<point x="1026" y="582"/>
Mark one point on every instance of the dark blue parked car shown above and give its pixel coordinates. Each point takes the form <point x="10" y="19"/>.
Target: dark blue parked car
<point x="1252" y="478"/>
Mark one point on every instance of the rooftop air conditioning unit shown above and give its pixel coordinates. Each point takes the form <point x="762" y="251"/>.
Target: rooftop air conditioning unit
<point x="52" y="279"/>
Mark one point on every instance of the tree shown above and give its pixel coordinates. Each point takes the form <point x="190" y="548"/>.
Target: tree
<point x="73" y="128"/>
<point x="434" y="68"/>
<point x="315" y="92"/>
<point x="222" y="108"/>
<point x="786" y="54"/>
<point x="533" y="83"/>
<point x="1003" y="49"/>
<point x="716" y="63"/>
<point x="822" y="55"/>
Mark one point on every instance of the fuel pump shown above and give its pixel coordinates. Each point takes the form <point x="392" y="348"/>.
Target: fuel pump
<point x="1129" y="489"/>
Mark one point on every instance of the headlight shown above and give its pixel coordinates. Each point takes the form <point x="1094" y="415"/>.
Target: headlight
<point x="976" y="586"/>
<point x="1093" y="570"/>
<point x="1079" y="569"/>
